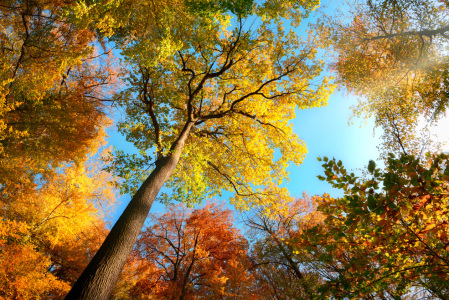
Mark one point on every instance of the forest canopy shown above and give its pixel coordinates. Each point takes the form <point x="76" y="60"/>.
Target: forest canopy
<point x="206" y="95"/>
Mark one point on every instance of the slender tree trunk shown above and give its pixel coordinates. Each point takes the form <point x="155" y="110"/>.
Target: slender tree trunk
<point x="292" y="264"/>
<point x="186" y="277"/>
<point x="99" y="278"/>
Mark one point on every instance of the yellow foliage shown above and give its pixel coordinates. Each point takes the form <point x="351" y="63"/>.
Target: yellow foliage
<point x="239" y="92"/>
<point x="23" y="268"/>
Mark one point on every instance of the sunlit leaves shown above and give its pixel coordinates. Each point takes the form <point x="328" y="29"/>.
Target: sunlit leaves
<point x="393" y="54"/>
<point x="51" y="229"/>
<point x="389" y="232"/>
<point x="50" y="87"/>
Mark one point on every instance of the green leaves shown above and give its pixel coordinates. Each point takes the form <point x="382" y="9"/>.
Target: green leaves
<point x="129" y="170"/>
<point x="209" y="8"/>
<point x="371" y="166"/>
<point x="372" y="204"/>
<point x="395" y="235"/>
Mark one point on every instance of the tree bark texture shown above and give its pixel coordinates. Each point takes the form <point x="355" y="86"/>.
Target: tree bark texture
<point x="99" y="278"/>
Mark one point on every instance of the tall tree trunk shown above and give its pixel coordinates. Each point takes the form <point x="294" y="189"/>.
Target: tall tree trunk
<point x="99" y="278"/>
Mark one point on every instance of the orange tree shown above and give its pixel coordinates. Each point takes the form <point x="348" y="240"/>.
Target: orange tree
<point x="49" y="89"/>
<point x="388" y="236"/>
<point x="207" y="109"/>
<point x="188" y="254"/>
<point x="51" y="117"/>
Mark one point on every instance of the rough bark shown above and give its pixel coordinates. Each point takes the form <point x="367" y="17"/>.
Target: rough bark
<point x="100" y="276"/>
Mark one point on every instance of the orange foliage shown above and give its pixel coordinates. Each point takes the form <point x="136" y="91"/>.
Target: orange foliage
<point x="50" y="89"/>
<point x="23" y="269"/>
<point x="188" y="254"/>
<point x="49" y="230"/>
<point x="51" y="118"/>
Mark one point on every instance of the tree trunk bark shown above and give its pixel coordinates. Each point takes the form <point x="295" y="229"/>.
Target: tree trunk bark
<point x="99" y="278"/>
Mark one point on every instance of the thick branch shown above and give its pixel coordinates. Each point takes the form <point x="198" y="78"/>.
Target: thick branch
<point x="425" y="32"/>
<point x="148" y="100"/>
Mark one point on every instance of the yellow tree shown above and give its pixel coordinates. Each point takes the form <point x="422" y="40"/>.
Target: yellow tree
<point x="215" y="112"/>
<point x="392" y="53"/>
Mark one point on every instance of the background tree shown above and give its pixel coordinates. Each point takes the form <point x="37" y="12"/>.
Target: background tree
<point x="213" y="112"/>
<point x="188" y="254"/>
<point x="281" y="270"/>
<point x="50" y="87"/>
<point x="392" y="53"/>
<point x="388" y="233"/>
